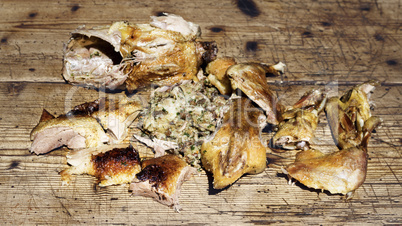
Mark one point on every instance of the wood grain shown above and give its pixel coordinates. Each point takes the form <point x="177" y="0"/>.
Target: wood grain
<point x="331" y="44"/>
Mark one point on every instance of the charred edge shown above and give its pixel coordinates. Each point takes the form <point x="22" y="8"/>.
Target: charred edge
<point x="75" y="8"/>
<point x="210" y="54"/>
<point x="87" y="108"/>
<point x="116" y="160"/>
<point x="248" y="7"/>
<point x="45" y="116"/>
<point x="154" y="173"/>
<point x="251" y="46"/>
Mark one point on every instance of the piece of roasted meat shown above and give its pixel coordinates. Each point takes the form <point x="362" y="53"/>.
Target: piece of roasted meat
<point x="235" y="148"/>
<point x="126" y="55"/>
<point x="161" y="178"/>
<point x="347" y="115"/>
<point x="251" y="79"/>
<point x="115" y="115"/>
<point x="351" y="124"/>
<point x="300" y="121"/>
<point x="84" y="126"/>
<point x="110" y="164"/>
<point x="74" y="131"/>
<point x="216" y="71"/>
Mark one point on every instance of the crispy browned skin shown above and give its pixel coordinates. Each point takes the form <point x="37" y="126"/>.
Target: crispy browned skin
<point x="251" y="79"/>
<point x="216" y="71"/>
<point x="161" y="178"/>
<point x="110" y="164"/>
<point x="351" y="124"/>
<point x="300" y="121"/>
<point x="162" y="172"/>
<point x="235" y="149"/>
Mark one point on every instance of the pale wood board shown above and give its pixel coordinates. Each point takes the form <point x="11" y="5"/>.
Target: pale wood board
<point x="332" y="44"/>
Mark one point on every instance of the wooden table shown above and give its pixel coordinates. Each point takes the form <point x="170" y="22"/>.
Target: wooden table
<point x="333" y="44"/>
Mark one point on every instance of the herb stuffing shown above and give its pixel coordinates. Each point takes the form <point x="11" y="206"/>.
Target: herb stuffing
<point x="186" y="113"/>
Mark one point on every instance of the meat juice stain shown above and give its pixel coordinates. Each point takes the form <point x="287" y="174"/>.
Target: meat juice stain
<point x="251" y="46"/>
<point x="13" y="165"/>
<point x="307" y="34"/>
<point x="14" y="89"/>
<point x="379" y="37"/>
<point x="216" y="29"/>
<point x="75" y="8"/>
<point x="365" y="7"/>
<point x="32" y="15"/>
<point x="248" y="7"/>
<point x="391" y="62"/>
<point x="326" y="24"/>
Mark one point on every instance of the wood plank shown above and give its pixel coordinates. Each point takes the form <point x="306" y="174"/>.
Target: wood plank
<point x="332" y="44"/>
<point x="32" y="190"/>
<point x="319" y="41"/>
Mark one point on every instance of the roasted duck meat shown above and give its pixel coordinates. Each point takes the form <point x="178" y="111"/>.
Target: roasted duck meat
<point x="345" y="170"/>
<point x="339" y="172"/>
<point x="110" y="164"/>
<point x="161" y="178"/>
<point x="235" y="148"/>
<point x="163" y="52"/>
<point x="115" y="115"/>
<point x="216" y="71"/>
<point x="251" y="79"/>
<point x="300" y="121"/>
<point x="78" y="131"/>
<point x="348" y="114"/>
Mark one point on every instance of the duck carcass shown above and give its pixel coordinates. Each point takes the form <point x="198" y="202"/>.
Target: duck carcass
<point x="126" y="55"/>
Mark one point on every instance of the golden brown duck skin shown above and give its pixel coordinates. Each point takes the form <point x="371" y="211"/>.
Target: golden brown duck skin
<point x="115" y="164"/>
<point x="161" y="178"/>
<point x="348" y="114"/>
<point x="300" y="121"/>
<point x="351" y="124"/>
<point x="235" y="148"/>
<point x="216" y="71"/>
<point x="339" y="172"/>
<point x="251" y="79"/>
<point x="125" y="55"/>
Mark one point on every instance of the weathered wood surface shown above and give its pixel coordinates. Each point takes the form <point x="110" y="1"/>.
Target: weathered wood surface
<point x="332" y="44"/>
